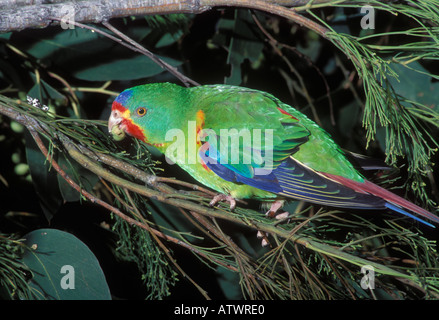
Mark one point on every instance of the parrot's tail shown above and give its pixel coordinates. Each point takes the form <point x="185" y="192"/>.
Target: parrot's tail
<point x="398" y="209"/>
<point x="393" y="202"/>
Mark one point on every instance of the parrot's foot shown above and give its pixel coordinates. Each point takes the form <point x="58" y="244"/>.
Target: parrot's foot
<point x="223" y="197"/>
<point x="275" y="206"/>
<point x="272" y="213"/>
<point x="264" y="236"/>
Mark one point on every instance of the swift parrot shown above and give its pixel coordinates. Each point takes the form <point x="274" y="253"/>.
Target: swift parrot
<point x="246" y="143"/>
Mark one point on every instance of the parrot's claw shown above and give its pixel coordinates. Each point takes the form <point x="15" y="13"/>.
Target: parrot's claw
<point x="263" y="236"/>
<point x="223" y="197"/>
<point x="272" y="213"/>
<point x="282" y="216"/>
<point x="275" y="206"/>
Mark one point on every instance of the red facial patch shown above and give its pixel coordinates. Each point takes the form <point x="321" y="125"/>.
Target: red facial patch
<point x="284" y="112"/>
<point x="134" y="130"/>
<point x="117" y="106"/>
<point x="127" y="123"/>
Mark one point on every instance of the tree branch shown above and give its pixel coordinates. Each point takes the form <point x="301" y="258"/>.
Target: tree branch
<point x="15" y="18"/>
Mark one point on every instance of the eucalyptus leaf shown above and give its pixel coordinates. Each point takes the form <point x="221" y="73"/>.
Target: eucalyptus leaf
<point x="168" y="39"/>
<point x="5" y="36"/>
<point x="63" y="267"/>
<point x="62" y="44"/>
<point x="90" y="56"/>
<point x="133" y="68"/>
<point x="43" y="91"/>
<point x="227" y="281"/>
<point x="415" y="84"/>
<point x="86" y="179"/>
<point x="44" y="178"/>
<point x="243" y="45"/>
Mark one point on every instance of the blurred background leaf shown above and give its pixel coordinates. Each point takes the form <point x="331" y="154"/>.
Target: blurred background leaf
<point x="44" y="179"/>
<point x="124" y="69"/>
<point x="415" y="83"/>
<point x="48" y="253"/>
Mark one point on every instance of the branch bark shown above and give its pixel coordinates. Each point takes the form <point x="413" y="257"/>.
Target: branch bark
<point x="20" y="15"/>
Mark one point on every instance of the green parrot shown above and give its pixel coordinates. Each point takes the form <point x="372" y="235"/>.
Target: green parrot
<point x="247" y="144"/>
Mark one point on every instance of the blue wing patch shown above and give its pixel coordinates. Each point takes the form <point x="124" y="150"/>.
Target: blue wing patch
<point x="292" y="179"/>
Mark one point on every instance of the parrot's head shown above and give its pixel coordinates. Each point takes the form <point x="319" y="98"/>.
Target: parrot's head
<point x="147" y="112"/>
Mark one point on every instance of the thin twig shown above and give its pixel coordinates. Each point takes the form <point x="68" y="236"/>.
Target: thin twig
<point x="134" y="46"/>
<point x="274" y="43"/>
<point x="164" y="248"/>
<point x="187" y="81"/>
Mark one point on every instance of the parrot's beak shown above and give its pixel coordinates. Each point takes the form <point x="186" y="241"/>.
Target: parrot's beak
<point x="114" y="125"/>
<point x="115" y="119"/>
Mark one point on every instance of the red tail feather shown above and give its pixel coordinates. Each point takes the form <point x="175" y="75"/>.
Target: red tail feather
<point x="371" y="188"/>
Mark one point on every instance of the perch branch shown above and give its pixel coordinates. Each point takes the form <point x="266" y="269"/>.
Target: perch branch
<point x="33" y="125"/>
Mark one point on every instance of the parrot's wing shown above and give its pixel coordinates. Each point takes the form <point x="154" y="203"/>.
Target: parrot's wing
<point x="292" y="179"/>
<point x="247" y="130"/>
<point x="280" y="171"/>
<point x="269" y="163"/>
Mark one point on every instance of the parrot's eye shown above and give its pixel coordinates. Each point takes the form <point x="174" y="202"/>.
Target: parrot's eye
<point x="141" y="111"/>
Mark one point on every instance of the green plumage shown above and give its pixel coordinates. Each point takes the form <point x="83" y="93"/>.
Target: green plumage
<point x="248" y="144"/>
<point x="235" y="107"/>
<point x="227" y="107"/>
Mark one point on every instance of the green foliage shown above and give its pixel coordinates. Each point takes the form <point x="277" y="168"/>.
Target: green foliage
<point x="139" y="246"/>
<point x="243" y="44"/>
<point x="13" y="273"/>
<point x="63" y="268"/>
<point x="374" y="88"/>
